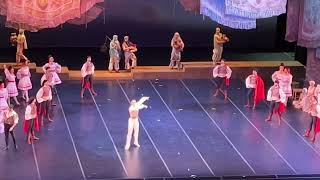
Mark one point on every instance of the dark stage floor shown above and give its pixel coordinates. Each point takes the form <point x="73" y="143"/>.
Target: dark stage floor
<point x="185" y="132"/>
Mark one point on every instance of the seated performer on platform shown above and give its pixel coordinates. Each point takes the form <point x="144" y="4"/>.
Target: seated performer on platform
<point x="44" y="98"/>
<point x="54" y="68"/>
<point x="10" y="121"/>
<point x="11" y="85"/>
<point x="87" y="72"/>
<point x="277" y="75"/>
<point x="277" y="99"/>
<point x="255" y="86"/>
<point x="218" y="40"/>
<point x="21" y="45"/>
<point x="177" y="47"/>
<point x="3" y="97"/>
<point x="114" y="53"/>
<point x="31" y="121"/>
<point x="133" y="122"/>
<point x="222" y="74"/>
<point x="129" y="49"/>
<point x="24" y="76"/>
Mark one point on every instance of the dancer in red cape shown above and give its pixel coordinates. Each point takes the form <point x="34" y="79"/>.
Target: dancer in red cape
<point x="255" y="86"/>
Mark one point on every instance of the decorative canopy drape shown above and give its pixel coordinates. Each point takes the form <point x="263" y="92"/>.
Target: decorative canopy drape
<point x="34" y="15"/>
<point x="238" y="14"/>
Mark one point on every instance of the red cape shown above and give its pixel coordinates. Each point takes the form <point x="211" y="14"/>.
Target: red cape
<point x="281" y="108"/>
<point x="26" y="125"/>
<point x="259" y="94"/>
<point x="227" y="81"/>
<point x="317" y="126"/>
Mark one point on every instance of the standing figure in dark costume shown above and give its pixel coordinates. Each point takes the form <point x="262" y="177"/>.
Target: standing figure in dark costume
<point x="11" y="119"/>
<point x="44" y="98"/>
<point x="277" y="99"/>
<point x="87" y="72"/>
<point x="31" y="121"/>
<point x="255" y="86"/>
<point x="222" y="74"/>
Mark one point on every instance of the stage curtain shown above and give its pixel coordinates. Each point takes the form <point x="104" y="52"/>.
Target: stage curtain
<point x="191" y="5"/>
<point x="303" y="26"/>
<point x="34" y="15"/>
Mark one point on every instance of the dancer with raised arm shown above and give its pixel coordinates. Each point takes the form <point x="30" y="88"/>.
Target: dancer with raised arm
<point x="177" y="47"/>
<point x="114" y="53"/>
<point x="31" y="121"/>
<point x="11" y="119"/>
<point x="11" y="85"/>
<point x="222" y="74"/>
<point x="129" y="49"/>
<point x="53" y="68"/>
<point x="24" y="83"/>
<point x="87" y="72"/>
<point x="255" y="86"/>
<point x="44" y="98"/>
<point x="133" y="122"/>
<point x="277" y="99"/>
<point x="21" y="46"/>
<point x="218" y="40"/>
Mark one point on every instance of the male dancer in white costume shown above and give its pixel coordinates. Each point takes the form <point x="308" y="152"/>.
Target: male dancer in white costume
<point x="133" y="122"/>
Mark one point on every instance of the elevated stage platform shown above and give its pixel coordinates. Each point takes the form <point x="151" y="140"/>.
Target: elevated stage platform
<point x="189" y="70"/>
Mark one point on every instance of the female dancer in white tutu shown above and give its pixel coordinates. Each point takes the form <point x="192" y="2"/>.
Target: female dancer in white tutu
<point x="24" y="83"/>
<point x="11" y="85"/>
<point x="54" y="68"/>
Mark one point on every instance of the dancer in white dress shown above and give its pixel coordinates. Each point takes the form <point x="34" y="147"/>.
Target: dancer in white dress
<point x="24" y="76"/>
<point x="53" y="68"/>
<point x="11" y="85"/>
<point x="133" y="122"/>
<point x="3" y="97"/>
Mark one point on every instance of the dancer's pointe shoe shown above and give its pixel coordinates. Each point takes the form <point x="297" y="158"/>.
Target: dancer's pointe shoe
<point x="254" y="107"/>
<point x="306" y="134"/>
<point x="94" y="93"/>
<point x="247" y="106"/>
<point x="127" y="147"/>
<point x="18" y="104"/>
<point x="137" y="145"/>
<point x="50" y="120"/>
<point x="313" y="139"/>
<point x="16" y="147"/>
<point x="6" y="148"/>
<point x="29" y="141"/>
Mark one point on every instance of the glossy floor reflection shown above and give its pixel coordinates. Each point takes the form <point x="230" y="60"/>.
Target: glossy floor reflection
<point x="186" y="131"/>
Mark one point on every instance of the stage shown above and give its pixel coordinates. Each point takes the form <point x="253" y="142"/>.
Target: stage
<point x="185" y="132"/>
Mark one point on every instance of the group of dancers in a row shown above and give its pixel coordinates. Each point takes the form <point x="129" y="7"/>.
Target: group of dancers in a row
<point x="278" y="94"/>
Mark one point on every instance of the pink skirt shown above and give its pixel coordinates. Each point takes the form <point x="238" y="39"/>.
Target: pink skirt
<point x="25" y="84"/>
<point x="12" y="89"/>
